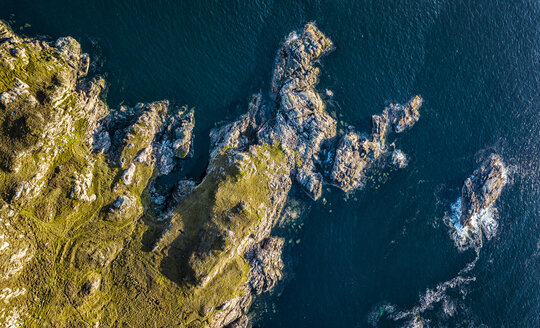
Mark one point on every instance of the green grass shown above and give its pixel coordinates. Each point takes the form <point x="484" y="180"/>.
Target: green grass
<point x="196" y="268"/>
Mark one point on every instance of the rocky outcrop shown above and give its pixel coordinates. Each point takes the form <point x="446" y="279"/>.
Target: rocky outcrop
<point x="266" y="270"/>
<point x="241" y="133"/>
<point x="175" y="141"/>
<point x="356" y="152"/>
<point x="405" y="116"/>
<point x="85" y="223"/>
<point x="301" y="124"/>
<point x="71" y="171"/>
<point x="482" y="189"/>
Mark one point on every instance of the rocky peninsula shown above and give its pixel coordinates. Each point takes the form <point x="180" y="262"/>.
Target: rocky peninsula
<point x="86" y="236"/>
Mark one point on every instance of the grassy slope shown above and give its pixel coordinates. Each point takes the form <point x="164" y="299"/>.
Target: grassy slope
<point x="77" y="244"/>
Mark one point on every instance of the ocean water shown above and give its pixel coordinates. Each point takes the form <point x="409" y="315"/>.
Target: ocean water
<point x="382" y="256"/>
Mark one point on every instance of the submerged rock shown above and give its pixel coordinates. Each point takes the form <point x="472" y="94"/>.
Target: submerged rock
<point x="482" y="189"/>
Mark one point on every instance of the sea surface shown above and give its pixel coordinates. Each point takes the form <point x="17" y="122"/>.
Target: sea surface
<point x="382" y="256"/>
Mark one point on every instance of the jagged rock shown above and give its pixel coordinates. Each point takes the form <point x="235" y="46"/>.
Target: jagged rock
<point x="399" y="159"/>
<point x="166" y="203"/>
<point x="241" y="322"/>
<point x="310" y="180"/>
<point x="350" y="160"/>
<point x="82" y="183"/>
<point x="175" y="141"/>
<point x="404" y="116"/>
<point x="146" y="156"/>
<point x="7" y="34"/>
<point x="354" y="153"/>
<point x="143" y="132"/>
<point x="482" y="189"/>
<point x="299" y="128"/>
<point x="294" y="62"/>
<point x="266" y="264"/>
<point x="216" y="251"/>
<point x="19" y="90"/>
<point x="240" y="133"/>
<point x="122" y="204"/>
<point x="183" y="188"/>
<point x="70" y="50"/>
<point x="101" y="140"/>
<point x="182" y="126"/>
<point x="301" y="124"/>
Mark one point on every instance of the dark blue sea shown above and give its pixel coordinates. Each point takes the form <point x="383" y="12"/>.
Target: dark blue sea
<point x="381" y="256"/>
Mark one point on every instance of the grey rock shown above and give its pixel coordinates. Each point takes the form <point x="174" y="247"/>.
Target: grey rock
<point x="301" y="124"/>
<point x="19" y="91"/>
<point x="241" y="322"/>
<point x="482" y="189"/>
<point x="350" y="160"/>
<point x="127" y="177"/>
<point x="183" y="188"/>
<point x="266" y="264"/>
<point x="174" y="141"/>
<point x="240" y="133"/>
<point x="405" y="116"/>
<point x="101" y="140"/>
<point x="82" y="183"/>
<point x="122" y="204"/>
<point x="354" y="152"/>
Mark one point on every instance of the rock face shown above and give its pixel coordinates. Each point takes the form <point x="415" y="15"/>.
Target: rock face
<point x="355" y="153"/>
<point x="241" y="133"/>
<point x="301" y="125"/>
<point x="175" y="141"/>
<point x="482" y="189"/>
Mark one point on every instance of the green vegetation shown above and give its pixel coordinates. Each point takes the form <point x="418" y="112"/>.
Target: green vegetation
<point x="88" y="262"/>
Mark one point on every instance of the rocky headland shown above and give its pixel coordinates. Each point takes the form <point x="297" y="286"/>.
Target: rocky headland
<point x="88" y="237"/>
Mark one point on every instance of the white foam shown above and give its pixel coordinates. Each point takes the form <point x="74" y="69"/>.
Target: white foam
<point x="483" y="224"/>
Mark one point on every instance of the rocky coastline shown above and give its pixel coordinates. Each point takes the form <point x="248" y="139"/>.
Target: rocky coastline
<point x="86" y="232"/>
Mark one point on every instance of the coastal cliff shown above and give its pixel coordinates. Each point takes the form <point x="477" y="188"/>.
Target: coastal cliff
<point x="86" y="236"/>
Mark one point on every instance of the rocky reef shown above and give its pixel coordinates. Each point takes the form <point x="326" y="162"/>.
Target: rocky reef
<point x="88" y="237"/>
<point x="481" y="190"/>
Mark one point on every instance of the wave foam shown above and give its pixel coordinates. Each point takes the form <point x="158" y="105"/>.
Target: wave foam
<point x="483" y="224"/>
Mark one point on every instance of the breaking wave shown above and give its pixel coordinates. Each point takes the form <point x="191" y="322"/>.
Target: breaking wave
<point x="483" y="224"/>
<point x="427" y="301"/>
